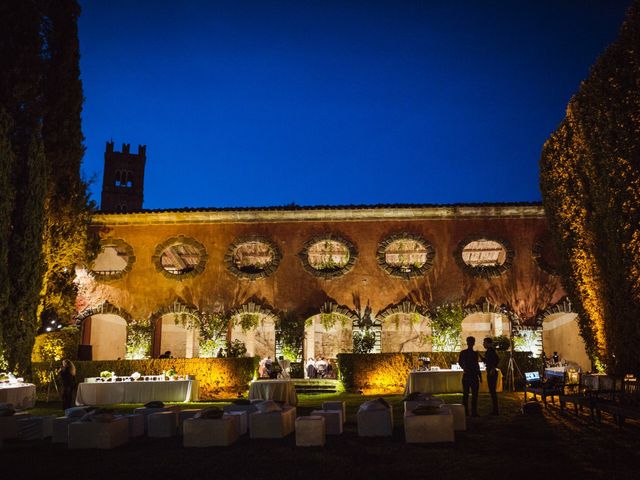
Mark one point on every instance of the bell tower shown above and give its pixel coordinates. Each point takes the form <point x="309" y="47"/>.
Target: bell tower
<point x="123" y="179"/>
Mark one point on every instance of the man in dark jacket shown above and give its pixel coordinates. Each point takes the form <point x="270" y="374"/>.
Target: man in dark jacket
<point x="491" y="361"/>
<point x="471" y="378"/>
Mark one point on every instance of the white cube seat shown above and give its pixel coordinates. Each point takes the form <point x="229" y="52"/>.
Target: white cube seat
<point x="410" y="405"/>
<point x="310" y="431"/>
<point x="162" y="424"/>
<point x="429" y="428"/>
<point x="61" y="429"/>
<point x="9" y="426"/>
<point x="136" y="424"/>
<point x="186" y="415"/>
<point x="146" y="411"/>
<point x="36" y="428"/>
<point x="210" y="432"/>
<point x="332" y="420"/>
<point x="273" y="424"/>
<point x="104" y="435"/>
<point x="336" y="405"/>
<point x="243" y="420"/>
<point x="459" y="416"/>
<point x="375" y="423"/>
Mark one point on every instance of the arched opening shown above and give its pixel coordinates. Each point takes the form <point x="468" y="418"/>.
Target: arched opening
<point x="561" y="333"/>
<point x="406" y="332"/>
<point x="107" y="335"/>
<point x="326" y="335"/>
<point x="257" y="331"/>
<point x="481" y="325"/>
<point x="177" y="336"/>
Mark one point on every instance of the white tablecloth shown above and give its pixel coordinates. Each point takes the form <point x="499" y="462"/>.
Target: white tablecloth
<point x="280" y="390"/>
<point x="443" y="381"/>
<point x="21" y="395"/>
<point x="137" y="392"/>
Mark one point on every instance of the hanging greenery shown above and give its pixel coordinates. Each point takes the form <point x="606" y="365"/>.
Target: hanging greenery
<point x="364" y="342"/>
<point x="446" y="327"/>
<point x="247" y="321"/>
<point x="139" y="338"/>
<point x="212" y="331"/>
<point x="290" y="335"/>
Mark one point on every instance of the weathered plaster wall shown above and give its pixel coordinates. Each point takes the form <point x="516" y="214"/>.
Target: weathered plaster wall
<point x="143" y="291"/>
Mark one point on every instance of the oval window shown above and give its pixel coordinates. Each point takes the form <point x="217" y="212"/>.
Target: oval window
<point x="405" y="255"/>
<point x="484" y="253"/>
<point x="114" y="260"/>
<point x="180" y="257"/>
<point x="252" y="257"/>
<point x="483" y="256"/>
<point x="328" y="256"/>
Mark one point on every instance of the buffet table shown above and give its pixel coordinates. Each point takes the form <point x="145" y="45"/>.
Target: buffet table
<point x="21" y="395"/>
<point x="279" y="390"/>
<point x="443" y="381"/>
<point x="137" y="392"/>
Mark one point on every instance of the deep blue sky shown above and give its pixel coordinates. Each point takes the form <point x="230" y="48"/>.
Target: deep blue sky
<point x="334" y="102"/>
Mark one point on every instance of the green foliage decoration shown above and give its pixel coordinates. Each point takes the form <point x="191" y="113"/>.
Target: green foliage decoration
<point x="290" y="335"/>
<point x="446" y="327"/>
<point x="590" y="183"/>
<point x="55" y="346"/>
<point x="363" y="342"/>
<point x="139" y="340"/>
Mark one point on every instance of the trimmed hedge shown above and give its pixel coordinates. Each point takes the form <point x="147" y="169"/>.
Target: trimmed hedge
<point x="54" y="346"/>
<point x="218" y="377"/>
<point x="386" y="373"/>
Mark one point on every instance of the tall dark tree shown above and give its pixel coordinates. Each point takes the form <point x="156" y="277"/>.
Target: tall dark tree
<point x="590" y="181"/>
<point x="44" y="207"/>
<point x="21" y="100"/>
<point x="68" y="210"/>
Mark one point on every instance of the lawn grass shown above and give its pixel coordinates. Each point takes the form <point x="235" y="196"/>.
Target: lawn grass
<point x="549" y="446"/>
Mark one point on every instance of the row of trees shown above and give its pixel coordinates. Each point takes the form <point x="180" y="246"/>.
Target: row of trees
<point x="44" y="204"/>
<point x="590" y="182"/>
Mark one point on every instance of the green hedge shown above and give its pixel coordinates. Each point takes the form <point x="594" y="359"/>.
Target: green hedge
<point x="218" y="377"/>
<point x="54" y="346"/>
<point x="384" y="373"/>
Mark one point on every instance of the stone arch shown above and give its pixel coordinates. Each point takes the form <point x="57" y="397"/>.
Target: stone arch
<point x="406" y="327"/>
<point x="485" y="319"/>
<point x="561" y="333"/>
<point x="181" y="339"/>
<point x="328" y="330"/>
<point x="104" y="327"/>
<point x="254" y="324"/>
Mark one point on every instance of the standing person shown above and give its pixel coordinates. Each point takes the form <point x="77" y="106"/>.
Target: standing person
<point x="311" y="368"/>
<point x="471" y="378"/>
<point x="284" y="365"/>
<point x="491" y="361"/>
<point x="67" y="374"/>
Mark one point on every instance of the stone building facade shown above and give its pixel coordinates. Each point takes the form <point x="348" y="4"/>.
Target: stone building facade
<point x="327" y="266"/>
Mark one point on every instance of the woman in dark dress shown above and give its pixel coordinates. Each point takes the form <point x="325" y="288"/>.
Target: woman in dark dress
<point x="68" y="376"/>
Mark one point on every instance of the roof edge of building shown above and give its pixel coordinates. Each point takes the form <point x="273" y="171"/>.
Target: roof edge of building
<point x="352" y="213"/>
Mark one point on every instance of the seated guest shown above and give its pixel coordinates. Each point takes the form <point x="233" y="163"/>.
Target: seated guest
<point x="310" y="368"/>
<point x="166" y="354"/>
<point x="321" y="367"/>
<point x="284" y="365"/>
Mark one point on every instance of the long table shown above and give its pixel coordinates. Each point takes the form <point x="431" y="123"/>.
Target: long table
<point x="21" y="395"/>
<point x="281" y="390"/>
<point x="137" y="392"/>
<point x="443" y="381"/>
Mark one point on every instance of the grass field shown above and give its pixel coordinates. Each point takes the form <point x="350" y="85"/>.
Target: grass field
<point x="550" y="446"/>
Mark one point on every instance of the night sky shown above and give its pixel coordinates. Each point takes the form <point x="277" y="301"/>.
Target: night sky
<point x="334" y="102"/>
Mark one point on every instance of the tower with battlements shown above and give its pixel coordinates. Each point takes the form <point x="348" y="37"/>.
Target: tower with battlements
<point x="123" y="181"/>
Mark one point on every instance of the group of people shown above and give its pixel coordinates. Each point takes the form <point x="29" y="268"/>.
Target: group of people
<point x="469" y="360"/>
<point x="318" y="368"/>
<point x="268" y="368"/>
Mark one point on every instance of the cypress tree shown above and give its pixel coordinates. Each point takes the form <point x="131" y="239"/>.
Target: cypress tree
<point x="6" y="207"/>
<point x="68" y="209"/>
<point x="590" y="182"/>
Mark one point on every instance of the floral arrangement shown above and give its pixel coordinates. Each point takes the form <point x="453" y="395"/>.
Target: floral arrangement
<point x="106" y="374"/>
<point x="171" y="373"/>
<point x="4" y="376"/>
